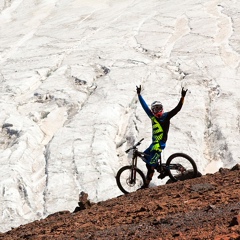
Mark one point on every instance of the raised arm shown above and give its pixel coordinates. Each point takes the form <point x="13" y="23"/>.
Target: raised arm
<point x="143" y="103"/>
<point x="179" y="106"/>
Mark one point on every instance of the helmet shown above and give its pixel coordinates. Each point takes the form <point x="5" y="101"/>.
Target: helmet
<point x="157" y="108"/>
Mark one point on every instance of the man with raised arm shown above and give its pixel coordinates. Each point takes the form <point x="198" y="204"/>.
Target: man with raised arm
<point x="160" y="127"/>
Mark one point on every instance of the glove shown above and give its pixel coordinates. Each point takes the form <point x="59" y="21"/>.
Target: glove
<point x="184" y="92"/>
<point x="138" y="89"/>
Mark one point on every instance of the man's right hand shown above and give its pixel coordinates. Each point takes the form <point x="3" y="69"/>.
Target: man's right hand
<point x="184" y="92"/>
<point x="138" y="89"/>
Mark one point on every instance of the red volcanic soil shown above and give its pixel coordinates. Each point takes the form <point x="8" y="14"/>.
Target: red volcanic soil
<point x="207" y="207"/>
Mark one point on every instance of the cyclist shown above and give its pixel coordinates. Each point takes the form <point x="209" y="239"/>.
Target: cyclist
<point x="160" y="127"/>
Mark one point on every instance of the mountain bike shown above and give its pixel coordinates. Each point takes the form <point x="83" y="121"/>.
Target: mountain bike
<point x="178" y="167"/>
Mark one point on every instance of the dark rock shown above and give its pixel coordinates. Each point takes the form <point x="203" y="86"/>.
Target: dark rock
<point x="83" y="203"/>
<point x="236" y="167"/>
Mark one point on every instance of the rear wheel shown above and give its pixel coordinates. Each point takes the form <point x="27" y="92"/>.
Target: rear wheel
<point x="130" y="179"/>
<point x="181" y="167"/>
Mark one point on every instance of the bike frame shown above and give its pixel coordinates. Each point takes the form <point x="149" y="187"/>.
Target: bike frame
<point x="134" y="176"/>
<point x="162" y="168"/>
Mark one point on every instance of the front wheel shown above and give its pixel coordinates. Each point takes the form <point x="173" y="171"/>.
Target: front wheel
<point x="130" y="179"/>
<point x="181" y="167"/>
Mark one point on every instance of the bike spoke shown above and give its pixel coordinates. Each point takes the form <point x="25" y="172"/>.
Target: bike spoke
<point x="182" y="167"/>
<point x="129" y="180"/>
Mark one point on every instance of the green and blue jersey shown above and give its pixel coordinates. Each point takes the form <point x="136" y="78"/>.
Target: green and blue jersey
<point x="160" y="128"/>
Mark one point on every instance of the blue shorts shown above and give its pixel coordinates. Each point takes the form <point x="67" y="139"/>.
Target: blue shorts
<point x="153" y="153"/>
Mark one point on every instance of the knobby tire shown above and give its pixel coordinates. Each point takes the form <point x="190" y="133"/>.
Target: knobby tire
<point x="123" y="179"/>
<point x="191" y="172"/>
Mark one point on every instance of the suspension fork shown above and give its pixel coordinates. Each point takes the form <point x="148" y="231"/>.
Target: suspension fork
<point x="161" y="165"/>
<point x="162" y="168"/>
<point x="134" y="166"/>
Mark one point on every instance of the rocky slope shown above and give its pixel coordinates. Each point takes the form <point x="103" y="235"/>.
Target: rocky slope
<point x="207" y="207"/>
<point x="69" y="109"/>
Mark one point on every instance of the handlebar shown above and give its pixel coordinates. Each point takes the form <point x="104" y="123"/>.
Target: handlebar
<point x="134" y="146"/>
